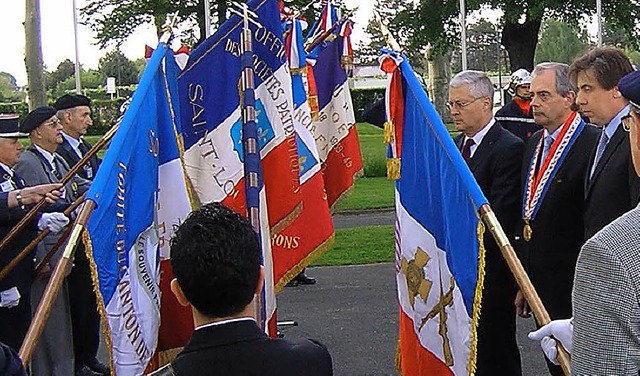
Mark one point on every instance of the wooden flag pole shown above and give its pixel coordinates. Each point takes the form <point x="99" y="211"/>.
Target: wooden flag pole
<point x="32" y="213"/>
<point x="53" y="287"/>
<point x="526" y="287"/>
<point x="316" y="42"/>
<point x="16" y="260"/>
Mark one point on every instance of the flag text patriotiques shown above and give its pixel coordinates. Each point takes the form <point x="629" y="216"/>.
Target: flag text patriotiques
<point x="140" y="197"/>
<point x="439" y="252"/>
<point x="209" y="91"/>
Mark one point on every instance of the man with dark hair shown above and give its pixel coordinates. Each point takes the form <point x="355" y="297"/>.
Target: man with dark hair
<point x="553" y="176"/>
<point x="74" y="112"/>
<point x="215" y="257"/>
<point x="494" y="156"/>
<point x="612" y="186"/>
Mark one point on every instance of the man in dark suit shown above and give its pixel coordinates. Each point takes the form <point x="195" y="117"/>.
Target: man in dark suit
<point x="40" y="164"/>
<point x="74" y="112"/>
<point x="554" y="170"/>
<point x="15" y="287"/>
<point x="611" y="186"/>
<point x="494" y="156"/>
<point x="215" y="256"/>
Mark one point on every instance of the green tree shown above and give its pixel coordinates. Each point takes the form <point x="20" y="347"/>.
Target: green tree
<point x="89" y="79"/>
<point x="115" y="64"/>
<point x="483" y="49"/>
<point x="8" y="88"/>
<point x="560" y="42"/>
<point x="65" y="70"/>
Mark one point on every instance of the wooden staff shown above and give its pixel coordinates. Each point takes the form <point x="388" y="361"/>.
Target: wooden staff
<point x="84" y="160"/>
<point x="55" y="282"/>
<point x="316" y="42"/>
<point x="529" y="292"/>
<point x="41" y="235"/>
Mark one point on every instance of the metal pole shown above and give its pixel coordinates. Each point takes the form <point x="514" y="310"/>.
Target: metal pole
<point x="499" y="67"/>
<point x="207" y="18"/>
<point x="75" y="34"/>
<point x="463" y="34"/>
<point x="599" y="21"/>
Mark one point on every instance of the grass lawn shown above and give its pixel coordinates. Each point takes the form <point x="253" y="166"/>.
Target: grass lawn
<point x="368" y="193"/>
<point x="360" y="245"/>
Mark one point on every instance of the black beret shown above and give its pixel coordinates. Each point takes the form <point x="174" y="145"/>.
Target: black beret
<point x="9" y="126"/>
<point x="71" y="101"/>
<point x="36" y="118"/>
<point x="629" y="87"/>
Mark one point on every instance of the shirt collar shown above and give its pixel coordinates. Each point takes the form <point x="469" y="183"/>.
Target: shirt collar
<point x="613" y="125"/>
<point x="72" y="141"/>
<point x="555" y="134"/>
<point x="477" y="138"/>
<point x="222" y="322"/>
<point x="6" y="169"/>
<point x="49" y="156"/>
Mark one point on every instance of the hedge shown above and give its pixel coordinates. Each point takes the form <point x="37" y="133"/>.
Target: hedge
<point x="106" y="111"/>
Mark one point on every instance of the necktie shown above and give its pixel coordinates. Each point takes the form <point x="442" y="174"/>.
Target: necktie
<point x="604" y="139"/>
<point x="466" y="149"/>
<point x="83" y="148"/>
<point x="56" y="168"/>
<point x="548" y="141"/>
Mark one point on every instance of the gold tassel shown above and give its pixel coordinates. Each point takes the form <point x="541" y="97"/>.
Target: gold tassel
<point x="477" y="298"/>
<point x="388" y="132"/>
<point x="398" y="359"/>
<point x="393" y="168"/>
<point x="313" y="105"/>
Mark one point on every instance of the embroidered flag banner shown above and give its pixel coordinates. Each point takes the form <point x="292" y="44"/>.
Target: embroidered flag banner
<point x="140" y="195"/>
<point x="210" y="113"/>
<point x="439" y="258"/>
<point x="311" y="233"/>
<point x="334" y="129"/>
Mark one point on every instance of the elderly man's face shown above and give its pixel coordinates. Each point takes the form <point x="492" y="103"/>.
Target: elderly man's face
<point x="10" y="149"/>
<point x="48" y="135"/>
<point x="77" y="120"/>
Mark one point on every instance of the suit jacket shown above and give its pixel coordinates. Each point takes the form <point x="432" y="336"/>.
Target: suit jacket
<point x="496" y="167"/>
<point x="241" y="348"/>
<point x="558" y="228"/>
<point x="614" y="188"/>
<point x="35" y="169"/>
<point x="66" y="151"/>
<point x="606" y="301"/>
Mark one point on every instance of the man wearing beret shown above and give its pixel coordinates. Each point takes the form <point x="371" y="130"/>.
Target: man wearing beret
<point x="74" y="112"/>
<point x="604" y="335"/>
<point x="612" y="186"/>
<point x="40" y="164"/>
<point x="15" y="287"/>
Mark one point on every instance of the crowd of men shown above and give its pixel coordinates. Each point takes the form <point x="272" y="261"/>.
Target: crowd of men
<point x="552" y="190"/>
<point x="560" y="166"/>
<point x="69" y="342"/>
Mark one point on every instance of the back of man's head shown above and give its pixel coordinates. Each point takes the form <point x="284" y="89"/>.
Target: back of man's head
<point x="215" y="256"/>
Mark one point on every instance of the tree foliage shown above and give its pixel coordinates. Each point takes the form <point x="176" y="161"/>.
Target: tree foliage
<point x="115" y="64"/>
<point x="64" y="70"/>
<point x="9" y="89"/>
<point x="560" y="42"/>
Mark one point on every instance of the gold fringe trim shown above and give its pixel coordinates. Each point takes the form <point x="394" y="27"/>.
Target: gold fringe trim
<point x="311" y="257"/>
<point x="393" y="168"/>
<point x="477" y="300"/>
<point x="398" y="359"/>
<point x="286" y="221"/>
<point x="313" y="105"/>
<point x="167" y="356"/>
<point x="88" y="250"/>
<point x="347" y="192"/>
<point x="388" y="132"/>
<point x="302" y="71"/>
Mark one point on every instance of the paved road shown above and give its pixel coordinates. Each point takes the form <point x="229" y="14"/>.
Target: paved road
<point x="353" y="310"/>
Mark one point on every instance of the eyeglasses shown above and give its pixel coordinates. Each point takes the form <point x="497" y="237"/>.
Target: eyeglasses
<point x="459" y="104"/>
<point x="626" y="121"/>
<point x="53" y="123"/>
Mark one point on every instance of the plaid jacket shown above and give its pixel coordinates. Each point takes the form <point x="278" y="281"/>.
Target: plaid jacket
<point x="606" y="301"/>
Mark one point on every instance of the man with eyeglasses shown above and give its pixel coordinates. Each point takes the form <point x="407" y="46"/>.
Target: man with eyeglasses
<point x="604" y="335"/>
<point x="40" y="164"/>
<point x="553" y="173"/>
<point x="612" y="186"/>
<point x="494" y="156"/>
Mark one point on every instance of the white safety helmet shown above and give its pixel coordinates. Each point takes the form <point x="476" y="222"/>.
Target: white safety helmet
<point x="518" y="78"/>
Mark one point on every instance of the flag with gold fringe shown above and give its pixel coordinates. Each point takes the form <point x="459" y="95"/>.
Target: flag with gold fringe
<point x="439" y="252"/>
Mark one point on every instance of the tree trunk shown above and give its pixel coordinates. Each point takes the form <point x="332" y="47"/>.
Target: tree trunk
<point x="439" y="77"/>
<point x="33" y="55"/>
<point x="520" y="42"/>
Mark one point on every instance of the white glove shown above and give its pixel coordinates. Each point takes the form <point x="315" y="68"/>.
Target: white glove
<point x="561" y="330"/>
<point x="9" y="298"/>
<point x="54" y="222"/>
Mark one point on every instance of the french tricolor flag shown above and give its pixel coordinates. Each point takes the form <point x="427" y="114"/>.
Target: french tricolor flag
<point x="439" y="260"/>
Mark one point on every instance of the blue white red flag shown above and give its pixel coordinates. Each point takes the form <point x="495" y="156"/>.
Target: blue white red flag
<point x="212" y="130"/>
<point x="311" y="232"/>
<point x="439" y="258"/>
<point x="140" y="195"/>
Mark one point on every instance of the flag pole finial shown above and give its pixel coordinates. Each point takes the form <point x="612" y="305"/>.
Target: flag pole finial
<point x="167" y="27"/>
<point x="386" y="34"/>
